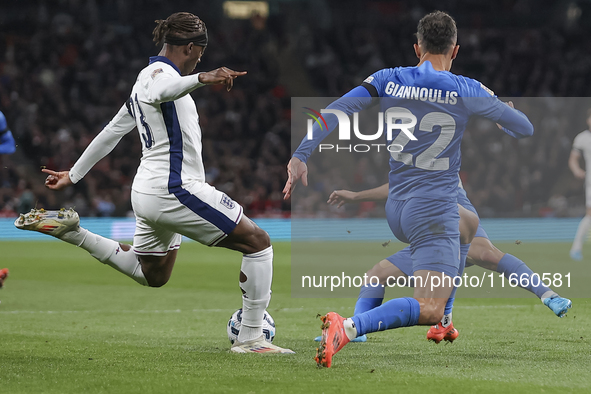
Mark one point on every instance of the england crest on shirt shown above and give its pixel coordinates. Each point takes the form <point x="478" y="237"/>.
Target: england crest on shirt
<point x="227" y="202"/>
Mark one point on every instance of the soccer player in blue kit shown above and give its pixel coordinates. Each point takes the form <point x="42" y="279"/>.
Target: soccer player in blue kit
<point x="422" y="207"/>
<point x="482" y="253"/>
<point x="7" y="147"/>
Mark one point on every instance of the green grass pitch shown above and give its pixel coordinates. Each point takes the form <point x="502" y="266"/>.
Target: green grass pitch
<point x="69" y="324"/>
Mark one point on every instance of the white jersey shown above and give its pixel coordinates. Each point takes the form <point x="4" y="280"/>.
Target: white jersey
<point x="168" y="124"/>
<point x="582" y="144"/>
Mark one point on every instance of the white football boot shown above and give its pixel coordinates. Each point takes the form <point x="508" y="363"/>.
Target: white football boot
<point x="54" y="223"/>
<point x="259" y="345"/>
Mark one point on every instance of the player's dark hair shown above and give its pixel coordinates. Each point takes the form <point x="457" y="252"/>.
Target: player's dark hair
<point x="437" y="32"/>
<point x="178" y="27"/>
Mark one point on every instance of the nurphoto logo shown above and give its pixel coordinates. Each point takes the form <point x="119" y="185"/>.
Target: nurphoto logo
<point x="395" y="118"/>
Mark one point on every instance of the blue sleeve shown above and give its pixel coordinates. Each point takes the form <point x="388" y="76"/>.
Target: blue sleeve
<point x="353" y="101"/>
<point x="7" y="144"/>
<point x="378" y="80"/>
<point x="3" y="125"/>
<point x="483" y="102"/>
<point x="515" y="123"/>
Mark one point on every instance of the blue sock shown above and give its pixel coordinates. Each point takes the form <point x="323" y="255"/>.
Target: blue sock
<point x="399" y="312"/>
<point x="512" y="265"/>
<point x="463" y="253"/>
<point x="369" y="297"/>
<point x="450" y="303"/>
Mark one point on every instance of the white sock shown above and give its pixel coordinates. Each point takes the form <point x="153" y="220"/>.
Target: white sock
<point x="256" y="274"/>
<point x="75" y="237"/>
<point x="110" y="252"/>
<point x="350" y="329"/>
<point x="446" y="320"/>
<point x="548" y="294"/>
<point x="581" y="233"/>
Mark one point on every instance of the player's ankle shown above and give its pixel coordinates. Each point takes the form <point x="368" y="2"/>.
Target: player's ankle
<point x="445" y="320"/>
<point x="350" y="329"/>
<point x="548" y="294"/>
<point x="249" y="333"/>
<point x="75" y="237"/>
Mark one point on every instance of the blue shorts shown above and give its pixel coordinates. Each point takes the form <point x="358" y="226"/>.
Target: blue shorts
<point x="403" y="260"/>
<point x="432" y="227"/>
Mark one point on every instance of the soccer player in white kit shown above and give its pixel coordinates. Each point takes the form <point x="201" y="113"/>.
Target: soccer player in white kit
<point x="582" y="148"/>
<point x="170" y="197"/>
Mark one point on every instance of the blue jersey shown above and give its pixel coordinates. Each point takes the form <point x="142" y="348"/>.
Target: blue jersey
<point x="442" y="103"/>
<point x="7" y="144"/>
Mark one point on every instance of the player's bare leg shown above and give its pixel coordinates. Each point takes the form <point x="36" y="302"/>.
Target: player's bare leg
<point x="153" y="271"/>
<point x="444" y="329"/>
<point x="256" y="274"/>
<point x="576" y="251"/>
<point x="65" y="225"/>
<point x="432" y="301"/>
<point x="156" y="269"/>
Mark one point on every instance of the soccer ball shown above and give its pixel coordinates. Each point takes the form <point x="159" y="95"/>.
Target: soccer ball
<point x="235" y="323"/>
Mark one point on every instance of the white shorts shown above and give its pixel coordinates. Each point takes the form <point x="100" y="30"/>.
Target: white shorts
<point x="201" y="213"/>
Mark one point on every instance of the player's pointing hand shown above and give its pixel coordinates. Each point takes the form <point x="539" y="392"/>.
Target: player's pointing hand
<point x="57" y="180"/>
<point x="220" y="76"/>
<point x="296" y="169"/>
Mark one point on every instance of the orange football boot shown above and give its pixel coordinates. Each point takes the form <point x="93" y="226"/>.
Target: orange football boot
<point x="3" y="276"/>
<point x="333" y="338"/>
<point x="438" y="333"/>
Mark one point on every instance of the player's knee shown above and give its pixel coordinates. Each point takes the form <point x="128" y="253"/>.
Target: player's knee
<point x="256" y="240"/>
<point x="156" y="279"/>
<point x="379" y="272"/>
<point x="467" y="237"/>
<point x="261" y="239"/>
<point x="485" y="252"/>
<point x="490" y="256"/>
<point x="157" y="282"/>
<point x="155" y="275"/>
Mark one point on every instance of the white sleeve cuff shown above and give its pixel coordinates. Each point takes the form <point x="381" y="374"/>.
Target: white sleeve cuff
<point x="74" y="176"/>
<point x="200" y="84"/>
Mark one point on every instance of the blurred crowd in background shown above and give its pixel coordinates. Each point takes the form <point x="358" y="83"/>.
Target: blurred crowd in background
<point x="66" y="66"/>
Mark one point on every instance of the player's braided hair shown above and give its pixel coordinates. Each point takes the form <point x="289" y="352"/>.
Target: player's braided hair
<point x="178" y="26"/>
<point x="437" y="32"/>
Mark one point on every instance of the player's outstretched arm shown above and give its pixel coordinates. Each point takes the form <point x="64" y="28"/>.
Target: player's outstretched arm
<point x="574" y="164"/>
<point x="514" y="122"/>
<point x="102" y="144"/>
<point x="483" y="102"/>
<point x="353" y="101"/>
<point x="165" y="88"/>
<point x="341" y="197"/>
<point x="57" y="180"/>
<point x="220" y="76"/>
